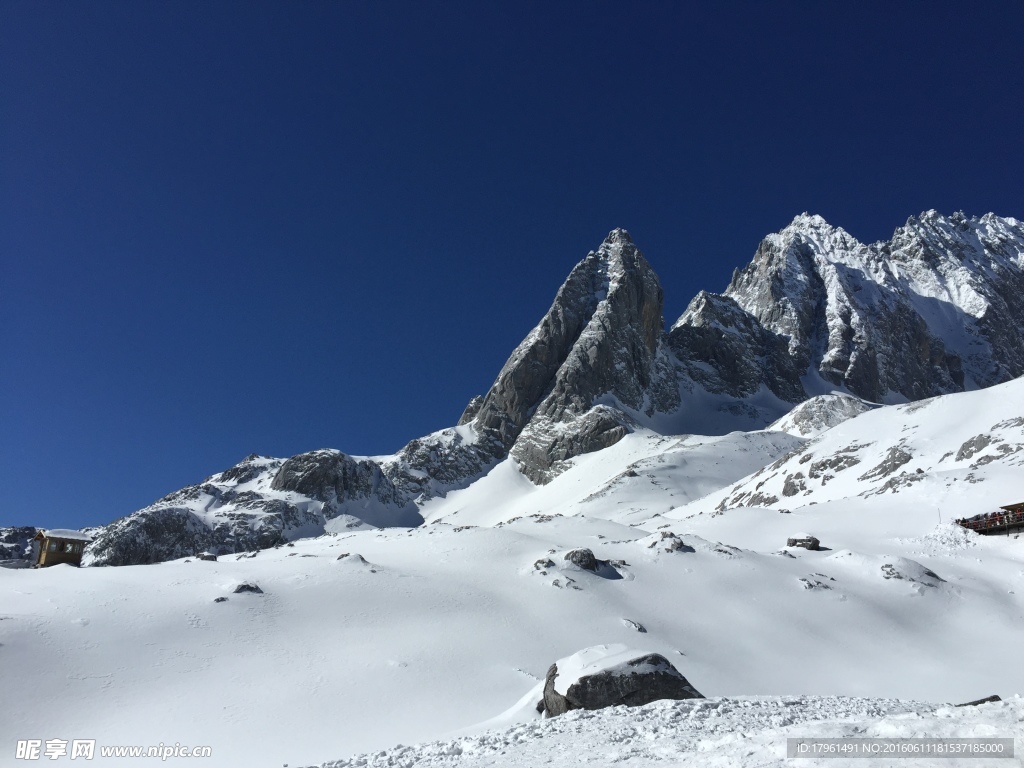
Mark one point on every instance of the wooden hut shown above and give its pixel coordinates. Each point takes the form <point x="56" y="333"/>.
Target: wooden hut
<point x="60" y="545"/>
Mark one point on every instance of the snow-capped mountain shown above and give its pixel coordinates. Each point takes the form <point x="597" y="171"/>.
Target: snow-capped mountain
<point x="594" y="358"/>
<point x="363" y="639"/>
<point x="933" y="455"/>
<point x="332" y="613"/>
<point x="939" y="308"/>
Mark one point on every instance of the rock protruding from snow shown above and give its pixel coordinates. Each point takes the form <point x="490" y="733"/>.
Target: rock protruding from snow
<point x="942" y="442"/>
<point x="334" y="478"/>
<point x="611" y="675"/>
<point x="16" y="542"/>
<point x="259" y="503"/>
<point x="804" y="541"/>
<point x="814" y="416"/>
<point x="582" y="558"/>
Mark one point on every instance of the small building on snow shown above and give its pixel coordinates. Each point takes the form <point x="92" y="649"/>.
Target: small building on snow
<point x="60" y="545"/>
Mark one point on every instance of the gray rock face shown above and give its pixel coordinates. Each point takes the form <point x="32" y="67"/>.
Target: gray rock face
<point x="599" y="341"/>
<point x="152" y="535"/>
<point x="333" y="478"/>
<point x="442" y="461"/>
<point x="726" y="350"/>
<point x="607" y="312"/>
<point x="651" y="678"/>
<point x="814" y="416"/>
<point x="257" y="504"/>
<point x="16" y="542"/>
<point x="544" y="450"/>
<point x="936" y="309"/>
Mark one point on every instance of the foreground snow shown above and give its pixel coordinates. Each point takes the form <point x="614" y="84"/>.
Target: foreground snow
<point x="422" y="632"/>
<point x="430" y="630"/>
<point x="736" y="732"/>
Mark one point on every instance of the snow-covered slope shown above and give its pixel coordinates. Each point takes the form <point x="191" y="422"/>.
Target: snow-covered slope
<point x="812" y="417"/>
<point x="748" y="732"/>
<point x="958" y="455"/>
<point x="642" y="475"/>
<point x="417" y="633"/>
<point x="259" y="503"/>
<point x="368" y="630"/>
<point x="434" y="629"/>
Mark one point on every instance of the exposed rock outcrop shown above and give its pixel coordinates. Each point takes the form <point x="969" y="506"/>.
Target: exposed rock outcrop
<point x="16" y="542"/>
<point x="257" y="504"/>
<point x="936" y="309"/>
<point x="812" y="417"/>
<point x="612" y="675"/>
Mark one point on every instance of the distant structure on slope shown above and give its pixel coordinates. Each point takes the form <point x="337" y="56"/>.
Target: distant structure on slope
<point x="60" y="545"/>
<point x="1010" y="520"/>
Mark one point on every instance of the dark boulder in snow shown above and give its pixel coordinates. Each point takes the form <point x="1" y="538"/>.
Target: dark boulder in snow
<point x="804" y="540"/>
<point x="586" y="560"/>
<point x="979" y="702"/>
<point x="612" y="675"/>
<point x="582" y="558"/>
<point x="208" y="556"/>
<point x="248" y="587"/>
<point x="353" y="558"/>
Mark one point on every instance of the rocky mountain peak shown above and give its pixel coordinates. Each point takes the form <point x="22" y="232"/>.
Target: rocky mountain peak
<point x="598" y="340"/>
<point x="807" y="222"/>
<point x="902" y="319"/>
<point x="618" y="236"/>
<point x="938" y="308"/>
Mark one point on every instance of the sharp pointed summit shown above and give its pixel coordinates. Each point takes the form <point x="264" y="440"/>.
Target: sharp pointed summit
<point x="938" y="308"/>
<point x="598" y="340"/>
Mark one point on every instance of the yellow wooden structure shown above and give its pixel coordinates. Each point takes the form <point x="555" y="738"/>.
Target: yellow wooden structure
<point x="60" y="545"/>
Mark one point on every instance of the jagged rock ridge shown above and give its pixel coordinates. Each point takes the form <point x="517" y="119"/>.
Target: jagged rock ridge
<point x="595" y="349"/>
<point x="936" y="309"/>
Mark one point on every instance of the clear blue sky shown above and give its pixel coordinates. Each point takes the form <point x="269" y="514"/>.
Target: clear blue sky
<point x="235" y="227"/>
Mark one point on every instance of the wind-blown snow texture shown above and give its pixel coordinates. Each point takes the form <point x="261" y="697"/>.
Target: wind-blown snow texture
<point x="937" y="309"/>
<point x="744" y="732"/>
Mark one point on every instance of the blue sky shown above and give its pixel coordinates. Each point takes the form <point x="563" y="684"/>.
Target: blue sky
<point x="244" y="227"/>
